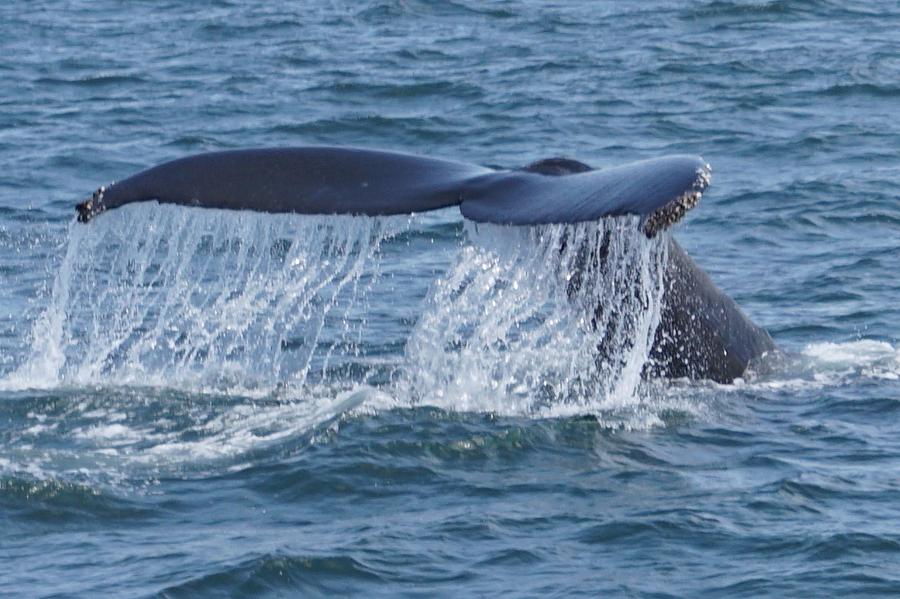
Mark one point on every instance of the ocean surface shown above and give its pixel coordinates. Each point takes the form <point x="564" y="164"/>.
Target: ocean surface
<point x="197" y="403"/>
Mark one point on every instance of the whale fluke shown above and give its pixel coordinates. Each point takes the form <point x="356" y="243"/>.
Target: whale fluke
<point x="661" y="190"/>
<point x="304" y="180"/>
<point x="331" y="180"/>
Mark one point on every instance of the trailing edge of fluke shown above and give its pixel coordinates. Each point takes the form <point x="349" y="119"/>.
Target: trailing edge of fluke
<point x="333" y="180"/>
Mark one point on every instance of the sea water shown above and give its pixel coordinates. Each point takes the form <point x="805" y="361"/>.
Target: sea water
<point x="208" y="403"/>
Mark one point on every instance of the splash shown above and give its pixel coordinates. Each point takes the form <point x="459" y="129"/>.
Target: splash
<point x="865" y="358"/>
<point x="539" y="321"/>
<point x="550" y="320"/>
<point x="829" y="364"/>
<point x="161" y="296"/>
<point x="536" y="322"/>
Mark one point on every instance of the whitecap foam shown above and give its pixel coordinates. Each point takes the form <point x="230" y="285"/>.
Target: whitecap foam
<point x="866" y="358"/>
<point x="824" y="364"/>
<point x="88" y="445"/>
<point x="119" y="434"/>
<point x="249" y="427"/>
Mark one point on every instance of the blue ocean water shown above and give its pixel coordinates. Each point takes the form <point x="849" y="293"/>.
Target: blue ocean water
<point x="199" y="403"/>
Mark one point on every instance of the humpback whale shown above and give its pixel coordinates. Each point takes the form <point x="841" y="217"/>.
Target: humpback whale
<point x="702" y="334"/>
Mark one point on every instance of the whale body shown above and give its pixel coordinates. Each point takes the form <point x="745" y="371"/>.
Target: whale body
<point x="702" y="334"/>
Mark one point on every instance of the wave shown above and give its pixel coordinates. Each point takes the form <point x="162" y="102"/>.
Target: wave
<point x="275" y="574"/>
<point x="102" y="80"/>
<point x="63" y="504"/>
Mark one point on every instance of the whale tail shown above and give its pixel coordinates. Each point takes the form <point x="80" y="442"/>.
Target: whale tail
<point x="327" y="180"/>
<point x="660" y="191"/>
<point x="702" y="332"/>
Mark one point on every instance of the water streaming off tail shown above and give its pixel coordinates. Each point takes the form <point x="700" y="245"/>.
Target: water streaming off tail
<point x="547" y="320"/>
<point x="159" y="295"/>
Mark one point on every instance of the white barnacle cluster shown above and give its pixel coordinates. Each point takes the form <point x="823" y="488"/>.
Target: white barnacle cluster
<point x="97" y="197"/>
<point x="93" y="206"/>
<point x="675" y="210"/>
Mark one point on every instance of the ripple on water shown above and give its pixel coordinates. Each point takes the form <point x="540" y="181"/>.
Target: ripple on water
<point x="276" y="574"/>
<point x="142" y="469"/>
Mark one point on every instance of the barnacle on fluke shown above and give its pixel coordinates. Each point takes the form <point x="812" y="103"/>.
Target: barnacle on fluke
<point x="88" y="208"/>
<point x="674" y="211"/>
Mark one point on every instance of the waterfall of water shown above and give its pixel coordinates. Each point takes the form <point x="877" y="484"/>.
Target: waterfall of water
<point x="541" y="320"/>
<point x="545" y="320"/>
<point x="159" y="295"/>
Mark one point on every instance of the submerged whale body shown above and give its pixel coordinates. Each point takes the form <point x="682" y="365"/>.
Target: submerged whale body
<point x="702" y="333"/>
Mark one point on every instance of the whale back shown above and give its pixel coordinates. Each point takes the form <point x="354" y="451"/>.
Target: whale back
<point x="702" y="333"/>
